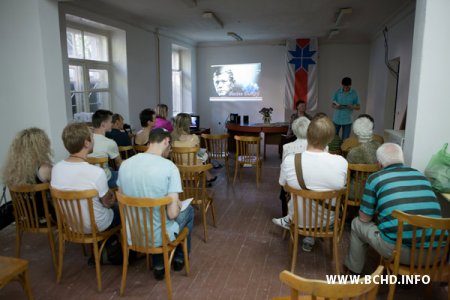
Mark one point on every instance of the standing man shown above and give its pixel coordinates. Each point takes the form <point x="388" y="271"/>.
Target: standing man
<point x="104" y="147"/>
<point x="345" y="100"/>
<point x="395" y="187"/>
<point x="151" y="175"/>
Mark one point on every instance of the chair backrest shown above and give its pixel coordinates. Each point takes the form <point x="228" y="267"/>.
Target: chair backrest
<point x="318" y="222"/>
<point x="140" y="148"/>
<point x="137" y="214"/>
<point x="126" y="151"/>
<point x="356" y="180"/>
<point x="25" y="199"/>
<point x="423" y="259"/>
<point x="247" y="149"/>
<point x="216" y="145"/>
<point x="102" y="162"/>
<point x="75" y="211"/>
<point x="193" y="180"/>
<point x="185" y="155"/>
<point x="325" y="290"/>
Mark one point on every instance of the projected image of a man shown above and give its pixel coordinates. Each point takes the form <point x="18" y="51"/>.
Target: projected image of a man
<point x="223" y="81"/>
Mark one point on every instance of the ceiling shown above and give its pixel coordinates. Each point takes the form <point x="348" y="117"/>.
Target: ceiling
<point x="256" y="20"/>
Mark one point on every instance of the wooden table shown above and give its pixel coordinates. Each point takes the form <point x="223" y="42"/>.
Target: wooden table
<point x="272" y="133"/>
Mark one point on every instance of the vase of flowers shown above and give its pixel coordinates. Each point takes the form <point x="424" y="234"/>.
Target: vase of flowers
<point x="266" y="112"/>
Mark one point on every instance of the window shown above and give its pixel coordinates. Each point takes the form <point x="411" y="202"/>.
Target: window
<point x="177" y="81"/>
<point x="89" y="70"/>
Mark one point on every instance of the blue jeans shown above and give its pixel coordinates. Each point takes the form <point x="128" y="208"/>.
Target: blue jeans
<point x="184" y="219"/>
<point x="345" y="130"/>
<point x="112" y="182"/>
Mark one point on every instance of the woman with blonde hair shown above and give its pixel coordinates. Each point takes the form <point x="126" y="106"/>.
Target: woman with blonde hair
<point x="161" y="118"/>
<point x="29" y="161"/>
<point x="182" y="138"/>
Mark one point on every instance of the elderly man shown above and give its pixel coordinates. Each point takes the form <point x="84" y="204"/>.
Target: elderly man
<point x="322" y="171"/>
<point x="395" y="187"/>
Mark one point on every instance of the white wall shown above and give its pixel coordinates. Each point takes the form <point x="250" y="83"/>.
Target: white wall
<point x="31" y="78"/>
<point x="400" y="46"/>
<point x="337" y="61"/>
<point x="427" y="125"/>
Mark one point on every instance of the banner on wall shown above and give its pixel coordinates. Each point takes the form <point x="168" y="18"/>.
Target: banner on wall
<point x="301" y="73"/>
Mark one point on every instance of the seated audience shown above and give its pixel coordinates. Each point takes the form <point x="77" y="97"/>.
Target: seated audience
<point x="385" y="191"/>
<point x="147" y="118"/>
<point x="365" y="152"/>
<point x="300" y="112"/>
<point x="76" y="174"/>
<point x="161" y="118"/>
<point x="182" y="138"/>
<point x="29" y="161"/>
<point x="151" y="175"/>
<point x="104" y="147"/>
<point x="117" y="133"/>
<point x="352" y="141"/>
<point x="299" y="127"/>
<point x="321" y="171"/>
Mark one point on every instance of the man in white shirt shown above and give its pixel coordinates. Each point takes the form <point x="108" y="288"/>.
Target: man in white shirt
<point x="75" y="174"/>
<point x="103" y="146"/>
<point x="321" y="170"/>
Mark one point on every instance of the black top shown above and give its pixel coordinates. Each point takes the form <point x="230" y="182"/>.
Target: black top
<point x="120" y="137"/>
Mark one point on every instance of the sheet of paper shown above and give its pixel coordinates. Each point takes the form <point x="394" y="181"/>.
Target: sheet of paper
<point x="185" y="203"/>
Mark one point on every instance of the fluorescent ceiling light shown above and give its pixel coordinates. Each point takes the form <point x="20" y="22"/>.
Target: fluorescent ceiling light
<point x="235" y="36"/>
<point x="340" y="15"/>
<point x="212" y="18"/>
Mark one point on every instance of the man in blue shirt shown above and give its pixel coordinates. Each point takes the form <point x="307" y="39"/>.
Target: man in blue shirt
<point x="395" y="187"/>
<point x="151" y="175"/>
<point x="345" y="100"/>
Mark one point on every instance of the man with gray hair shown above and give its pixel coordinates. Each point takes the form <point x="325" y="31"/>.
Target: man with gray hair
<point x="395" y="187"/>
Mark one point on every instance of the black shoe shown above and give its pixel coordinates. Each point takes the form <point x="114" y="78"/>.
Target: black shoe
<point x="158" y="273"/>
<point x="178" y="265"/>
<point x="212" y="179"/>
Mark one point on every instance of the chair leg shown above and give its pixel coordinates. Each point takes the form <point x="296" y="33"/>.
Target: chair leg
<point x="186" y="256"/>
<point x="391" y="292"/>
<point x="228" y="169"/>
<point x="213" y="212"/>
<point x="294" y="252"/>
<point x="167" y="275"/>
<point x="61" y="256"/>
<point x="124" y="269"/>
<point x="26" y="284"/>
<point x="51" y="240"/>
<point x="18" y="239"/>
<point x="235" y="171"/>
<point x="97" y="266"/>
<point x="336" y="255"/>
<point x="203" y="208"/>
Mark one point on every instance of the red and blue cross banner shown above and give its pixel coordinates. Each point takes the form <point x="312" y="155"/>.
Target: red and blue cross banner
<point x="301" y="73"/>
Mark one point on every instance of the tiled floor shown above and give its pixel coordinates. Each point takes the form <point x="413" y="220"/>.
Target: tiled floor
<point x="241" y="260"/>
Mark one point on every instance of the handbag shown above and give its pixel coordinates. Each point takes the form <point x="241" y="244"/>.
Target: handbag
<point x="299" y="171"/>
<point x="438" y="170"/>
<point x="6" y="211"/>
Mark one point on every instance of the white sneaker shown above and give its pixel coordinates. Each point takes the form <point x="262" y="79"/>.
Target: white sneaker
<point x="284" y="222"/>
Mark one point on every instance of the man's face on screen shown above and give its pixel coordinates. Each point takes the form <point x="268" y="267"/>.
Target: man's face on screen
<point x="223" y="84"/>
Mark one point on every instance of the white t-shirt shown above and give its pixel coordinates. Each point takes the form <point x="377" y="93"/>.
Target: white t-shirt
<point x="81" y="176"/>
<point x="321" y="172"/>
<point x="105" y="147"/>
<point x="297" y="146"/>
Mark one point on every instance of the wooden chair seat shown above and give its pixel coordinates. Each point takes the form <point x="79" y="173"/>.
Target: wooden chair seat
<point x="68" y="206"/>
<point x="140" y="148"/>
<point x="15" y="269"/>
<point x="139" y="235"/>
<point x="26" y="199"/>
<point x="126" y="152"/>
<point x="320" y="289"/>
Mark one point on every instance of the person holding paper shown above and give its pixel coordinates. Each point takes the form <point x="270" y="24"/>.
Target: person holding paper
<point x="345" y="100"/>
<point x="151" y="175"/>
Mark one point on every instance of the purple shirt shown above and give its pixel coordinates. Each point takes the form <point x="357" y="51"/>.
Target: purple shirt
<point x="162" y="123"/>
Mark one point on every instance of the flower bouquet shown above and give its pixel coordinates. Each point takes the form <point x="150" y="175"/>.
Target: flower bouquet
<point x="266" y="112"/>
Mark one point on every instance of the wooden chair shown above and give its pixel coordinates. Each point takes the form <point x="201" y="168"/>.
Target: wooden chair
<point x="194" y="186"/>
<point x="126" y="151"/>
<point x="69" y="207"/>
<point x="15" y="269"/>
<point x="320" y="289"/>
<point x="217" y="148"/>
<point x="140" y="148"/>
<point x="423" y="261"/>
<point x="138" y="214"/>
<point x="248" y="153"/>
<point x="315" y="224"/>
<point x="101" y="162"/>
<point x="185" y="155"/>
<point x="356" y="180"/>
<point x="25" y="201"/>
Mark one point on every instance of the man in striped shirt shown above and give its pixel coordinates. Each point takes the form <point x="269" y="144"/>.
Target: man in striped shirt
<point x="395" y="187"/>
